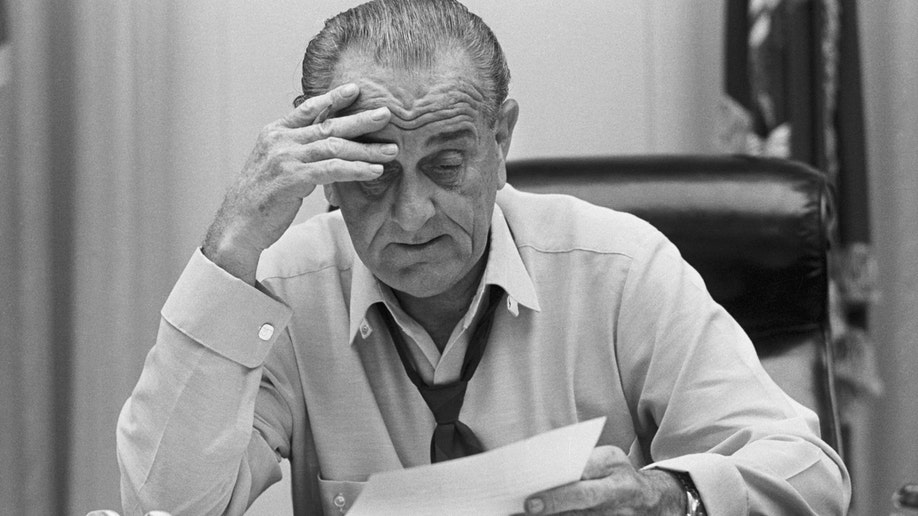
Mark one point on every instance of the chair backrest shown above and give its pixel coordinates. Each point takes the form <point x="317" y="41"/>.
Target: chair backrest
<point x="756" y="229"/>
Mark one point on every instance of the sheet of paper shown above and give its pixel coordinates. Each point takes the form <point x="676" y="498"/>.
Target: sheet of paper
<point x="494" y="482"/>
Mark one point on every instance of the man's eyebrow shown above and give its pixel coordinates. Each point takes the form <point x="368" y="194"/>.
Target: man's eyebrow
<point x="450" y="136"/>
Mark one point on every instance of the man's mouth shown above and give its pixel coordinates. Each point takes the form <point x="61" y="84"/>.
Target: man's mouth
<point x="421" y="245"/>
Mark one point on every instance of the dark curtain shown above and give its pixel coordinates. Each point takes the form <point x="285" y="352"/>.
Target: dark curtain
<point x="793" y="90"/>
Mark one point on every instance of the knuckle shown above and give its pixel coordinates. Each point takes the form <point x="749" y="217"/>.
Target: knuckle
<point x="285" y="167"/>
<point x="276" y="159"/>
<point x="334" y="146"/>
<point x="305" y="105"/>
<point x="324" y="171"/>
<point x="271" y="135"/>
<point x="310" y="103"/>
<point x="325" y="128"/>
<point x="617" y="453"/>
<point x="609" y="453"/>
<point x="308" y="152"/>
<point x="603" y="461"/>
<point x="611" y="458"/>
<point x="336" y="164"/>
<point x="267" y="132"/>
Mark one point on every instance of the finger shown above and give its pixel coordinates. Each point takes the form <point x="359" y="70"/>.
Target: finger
<point x="305" y="114"/>
<point x="350" y="126"/>
<point x="336" y="171"/>
<point x="335" y="147"/>
<point x="584" y="494"/>
<point x="603" y="461"/>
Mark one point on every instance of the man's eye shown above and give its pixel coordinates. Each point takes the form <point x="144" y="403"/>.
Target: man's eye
<point x="449" y="166"/>
<point x="447" y="170"/>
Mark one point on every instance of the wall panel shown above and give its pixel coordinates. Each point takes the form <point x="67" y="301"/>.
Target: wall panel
<point x="888" y="456"/>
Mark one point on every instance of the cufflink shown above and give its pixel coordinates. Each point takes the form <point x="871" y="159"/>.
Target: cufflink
<point x="266" y="332"/>
<point x="340" y="502"/>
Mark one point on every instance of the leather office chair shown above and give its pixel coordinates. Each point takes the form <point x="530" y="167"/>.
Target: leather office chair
<point x="756" y="229"/>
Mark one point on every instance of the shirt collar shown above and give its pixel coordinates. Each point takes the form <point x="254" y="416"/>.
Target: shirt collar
<point x="505" y="269"/>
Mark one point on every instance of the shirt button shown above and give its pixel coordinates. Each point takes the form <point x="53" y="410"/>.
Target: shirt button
<point x="339" y="501"/>
<point x="266" y="331"/>
<point x="365" y="330"/>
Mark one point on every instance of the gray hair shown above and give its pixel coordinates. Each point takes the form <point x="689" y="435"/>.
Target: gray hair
<point x="408" y="34"/>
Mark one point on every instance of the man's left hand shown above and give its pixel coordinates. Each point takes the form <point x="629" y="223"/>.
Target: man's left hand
<point x="611" y="486"/>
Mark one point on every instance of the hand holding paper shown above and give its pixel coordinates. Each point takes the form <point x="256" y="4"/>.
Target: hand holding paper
<point x="494" y="482"/>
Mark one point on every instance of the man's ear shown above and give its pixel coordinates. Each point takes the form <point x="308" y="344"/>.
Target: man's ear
<point x="331" y="195"/>
<point x="503" y="133"/>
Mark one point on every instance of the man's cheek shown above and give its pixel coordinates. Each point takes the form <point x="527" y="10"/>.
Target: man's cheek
<point x="458" y="208"/>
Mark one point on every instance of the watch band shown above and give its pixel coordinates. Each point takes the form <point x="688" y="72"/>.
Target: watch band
<point x="693" y="504"/>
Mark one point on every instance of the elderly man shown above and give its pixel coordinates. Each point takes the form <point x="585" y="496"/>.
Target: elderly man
<point x="440" y="313"/>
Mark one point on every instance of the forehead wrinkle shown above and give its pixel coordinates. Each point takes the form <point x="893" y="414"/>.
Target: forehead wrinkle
<point x="415" y="97"/>
<point x="462" y="92"/>
<point x="458" y="114"/>
<point x="411" y="109"/>
<point x="470" y="88"/>
<point x="449" y="129"/>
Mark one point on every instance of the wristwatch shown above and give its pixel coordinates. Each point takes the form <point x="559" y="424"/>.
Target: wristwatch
<point x="693" y="504"/>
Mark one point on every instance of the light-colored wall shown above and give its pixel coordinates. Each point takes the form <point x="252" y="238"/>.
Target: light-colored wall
<point x="886" y="446"/>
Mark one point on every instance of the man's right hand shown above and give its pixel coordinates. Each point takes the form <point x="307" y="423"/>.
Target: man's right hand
<point x="291" y="157"/>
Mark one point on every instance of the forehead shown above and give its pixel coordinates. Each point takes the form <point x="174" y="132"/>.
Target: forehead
<point x="446" y="91"/>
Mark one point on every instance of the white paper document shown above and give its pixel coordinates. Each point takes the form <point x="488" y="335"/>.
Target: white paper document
<point x="494" y="482"/>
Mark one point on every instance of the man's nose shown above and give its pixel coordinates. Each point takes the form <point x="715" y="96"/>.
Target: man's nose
<point x="414" y="205"/>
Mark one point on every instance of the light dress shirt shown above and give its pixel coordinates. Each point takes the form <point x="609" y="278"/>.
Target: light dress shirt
<point x="603" y="318"/>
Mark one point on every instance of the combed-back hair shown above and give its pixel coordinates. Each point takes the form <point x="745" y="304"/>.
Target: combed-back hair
<point x="408" y="34"/>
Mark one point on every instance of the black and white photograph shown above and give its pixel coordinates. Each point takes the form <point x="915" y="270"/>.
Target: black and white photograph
<point x="459" y="257"/>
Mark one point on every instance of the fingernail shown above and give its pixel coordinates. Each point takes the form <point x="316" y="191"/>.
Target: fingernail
<point x="379" y="113"/>
<point x="349" y="90"/>
<point x="376" y="168"/>
<point x="534" y="506"/>
<point x="390" y="149"/>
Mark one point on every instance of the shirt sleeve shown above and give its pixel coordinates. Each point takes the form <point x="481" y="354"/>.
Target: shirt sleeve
<point x="187" y="438"/>
<point x="703" y="404"/>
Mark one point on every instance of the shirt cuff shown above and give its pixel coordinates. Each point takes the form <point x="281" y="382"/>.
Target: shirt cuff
<point x="716" y="478"/>
<point x="225" y="314"/>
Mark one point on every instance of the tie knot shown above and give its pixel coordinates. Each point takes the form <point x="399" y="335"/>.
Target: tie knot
<point x="445" y="401"/>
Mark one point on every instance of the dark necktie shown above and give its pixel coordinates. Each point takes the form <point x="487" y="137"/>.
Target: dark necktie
<point x="451" y="438"/>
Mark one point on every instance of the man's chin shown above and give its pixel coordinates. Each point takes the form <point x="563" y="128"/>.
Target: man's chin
<point x="423" y="290"/>
<point x="419" y="282"/>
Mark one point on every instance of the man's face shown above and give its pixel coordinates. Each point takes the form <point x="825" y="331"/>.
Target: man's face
<point x="423" y="225"/>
